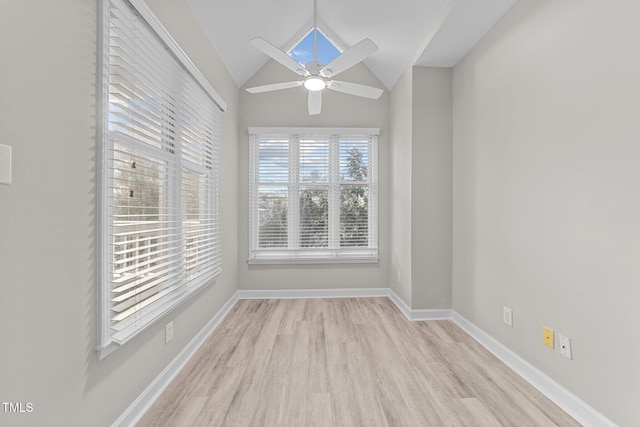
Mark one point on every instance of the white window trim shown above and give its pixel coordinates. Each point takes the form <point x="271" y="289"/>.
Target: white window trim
<point x="311" y="256"/>
<point x="105" y="345"/>
<point x="175" y="48"/>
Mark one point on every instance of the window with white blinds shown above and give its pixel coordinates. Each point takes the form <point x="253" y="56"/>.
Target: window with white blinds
<point x="313" y="195"/>
<point x="160" y="238"/>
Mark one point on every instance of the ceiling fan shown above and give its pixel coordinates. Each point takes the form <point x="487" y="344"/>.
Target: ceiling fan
<point x="317" y="76"/>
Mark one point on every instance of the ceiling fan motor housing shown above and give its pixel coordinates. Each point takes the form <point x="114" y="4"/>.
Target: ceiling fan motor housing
<point x="314" y="67"/>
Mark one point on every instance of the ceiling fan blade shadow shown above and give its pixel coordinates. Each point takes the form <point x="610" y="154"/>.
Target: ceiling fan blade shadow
<point x="279" y="56"/>
<point x="315" y="102"/>
<point x="355" y="89"/>
<point x="349" y="58"/>
<point x="274" y="86"/>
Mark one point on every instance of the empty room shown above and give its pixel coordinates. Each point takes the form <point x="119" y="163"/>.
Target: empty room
<point x="320" y="213"/>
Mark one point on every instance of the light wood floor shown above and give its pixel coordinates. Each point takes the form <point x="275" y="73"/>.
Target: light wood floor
<point x="345" y="362"/>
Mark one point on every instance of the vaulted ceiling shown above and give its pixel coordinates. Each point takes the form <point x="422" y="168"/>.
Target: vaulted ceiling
<point x="434" y="33"/>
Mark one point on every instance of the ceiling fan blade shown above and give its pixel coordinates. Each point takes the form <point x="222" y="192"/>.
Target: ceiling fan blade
<point x="315" y="102"/>
<point x="274" y="86"/>
<point x="279" y="56"/>
<point x="349" y="58"/>
<point x="355" y="89"/>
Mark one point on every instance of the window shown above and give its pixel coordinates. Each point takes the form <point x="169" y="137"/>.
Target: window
<point x="158" y="205"/>
<point x="313" y="195"/>
<point x="303" y="50"/>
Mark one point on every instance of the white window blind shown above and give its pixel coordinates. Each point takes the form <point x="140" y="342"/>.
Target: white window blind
<point x="160" y="238"/>
<point x="313" y="195"/>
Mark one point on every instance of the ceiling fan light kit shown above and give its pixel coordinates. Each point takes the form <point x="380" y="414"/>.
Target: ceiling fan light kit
<point x="316" y="74"/>
<point x="314" y="83"/>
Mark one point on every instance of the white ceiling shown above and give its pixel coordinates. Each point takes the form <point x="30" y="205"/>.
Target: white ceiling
<point x="434" y="33"/>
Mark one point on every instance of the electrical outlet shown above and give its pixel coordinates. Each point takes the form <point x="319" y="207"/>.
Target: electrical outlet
<point x="507" y="316"/>
<point x="565" y="346"/>
<point x="547" y="336"/>
<point x="168" y="332"/>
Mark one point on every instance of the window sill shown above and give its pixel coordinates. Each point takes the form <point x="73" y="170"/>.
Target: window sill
<point x="298" y="260"/>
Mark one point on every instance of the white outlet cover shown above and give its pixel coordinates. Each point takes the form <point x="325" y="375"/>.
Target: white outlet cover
<point x="5" y="164"/>
<point x="565" y="346"/>
<point x="507" y="316"/>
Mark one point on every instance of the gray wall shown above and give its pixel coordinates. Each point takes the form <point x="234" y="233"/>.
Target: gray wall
<point x="289" y="108"/>
<point x="421" y="182"/>
<point x="431" y="188"/>
<point x="47" y="220"/>
<point x="401" y="119"/>
<point x="546" y="195"/>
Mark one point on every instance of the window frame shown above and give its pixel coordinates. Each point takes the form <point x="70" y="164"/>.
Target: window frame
<point x="172" y="185"/>
<point x="294" y="253"/>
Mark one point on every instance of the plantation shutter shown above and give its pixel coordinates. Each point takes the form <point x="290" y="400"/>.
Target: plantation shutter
<point x="160" y="237"/>
<point x="313" y="195"/>
<point x="269" y="210"/>
<point x="358" y="208"/>
<point x="313" y="190"/>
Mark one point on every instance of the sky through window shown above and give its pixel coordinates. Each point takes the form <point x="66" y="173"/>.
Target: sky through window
<point x="303" y="51"/>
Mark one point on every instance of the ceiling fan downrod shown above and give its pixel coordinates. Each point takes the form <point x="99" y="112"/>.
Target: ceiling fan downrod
<point x="315" y="30"/>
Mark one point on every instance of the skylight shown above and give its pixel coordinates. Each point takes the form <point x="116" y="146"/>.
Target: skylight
<point x="303" y="50"/>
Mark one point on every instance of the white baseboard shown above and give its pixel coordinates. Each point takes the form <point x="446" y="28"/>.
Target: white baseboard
<point x="570" y="403"/>
<point x="430" y="314"/>
<point x="313" y="293"/>
<point x="138" y="408"/>
<point x="418" y="314"/>
<point x="410" y="314"/>
<point x="399" y="302"/>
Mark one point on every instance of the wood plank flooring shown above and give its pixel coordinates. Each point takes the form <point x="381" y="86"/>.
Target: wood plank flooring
<point x="345" y="362"/>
